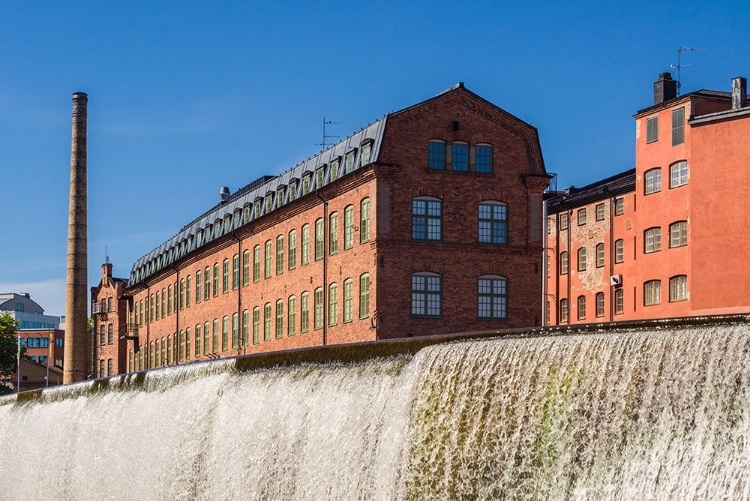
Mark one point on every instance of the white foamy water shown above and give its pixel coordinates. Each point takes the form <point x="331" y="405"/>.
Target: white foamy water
<point x="659" y="415"/>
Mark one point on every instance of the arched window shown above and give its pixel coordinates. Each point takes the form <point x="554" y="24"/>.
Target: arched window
<point x="582" y="259"/>
<point x="292" y="258"/>
<point x="599" y="304"/>
<point x="678" y="288"/>
<point x="492" y="296"/>
<point x="267" y="322"/>
<point x="225" y="333"/>
<point x="652" y="181"/>
<point x="652" y="240"/>
<point x="619" y="250"/>
<point x="364" y="220"/>
<point x="348" y="227"/>
<point x="581" y="307"/>
<point x="483" y="158"/>
<point x="318" y="309"/>
<point x="110" y="334"/>
<point x="460" y="156"/>
<point x="678" y="174"/>
<point x="678" y="234"/>
<point x="279" y="318"/>
<point x="348" y="287"/>
<point x="256" y="325"/>
<point x="291" y="312"/>
<point x="280" y="254"/>
<point x="652" y="292"/>
<point x="599" y="255"/>
<point x="563" y="310"/>
<point x="436" y="154"/>
<point x="304" y="312"/>
<point x="332" y="304"/>
<point x="564" y="263"/>
<point x="235" y="330"/>
<point x="245" y="327"/>
<point x="246" y="268"/>
<point x="364" y="295"/>
<point x="333" y="233"/>
<point x="426" y="294"/>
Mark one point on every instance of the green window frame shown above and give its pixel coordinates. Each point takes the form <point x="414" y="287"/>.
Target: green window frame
<point x="318" y="309"/>
<point x="348" y="227"/>
<point x="292" y="259"/>
<point x="279" y="254"/>
<point x="319" y="239"/>
<point x="304" y="312"/>
<point x="216" y="279"/>
<point x="333" y="233"/>
<point x="198" y="286"/>
<point x="291" y="312"/>
<point x="225" y="276"/>
<point x="268" y="261"/>
<point x="364" y="295"/>
<point x="246" y="268"/>
<point x="364" y="220"/>
<point x="256" y="325"/>
<point x="236" y="272"/>
<point x="279" y="318"/>
<point x="348" y="286"/>
<point x="256" y="263"/>
<point x="267" y="322"/>
<point x="332" y="304"/>
<point x="305" y="248"/>
<point x="207" y="284"/>
<point x="225" y="333"/>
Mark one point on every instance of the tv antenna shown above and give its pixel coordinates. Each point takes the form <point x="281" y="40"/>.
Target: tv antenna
<point x="325" y="135"/>
<point x="679" y="64"/>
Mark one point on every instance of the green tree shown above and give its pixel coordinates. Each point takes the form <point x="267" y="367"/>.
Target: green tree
<point x="9" y="345"/>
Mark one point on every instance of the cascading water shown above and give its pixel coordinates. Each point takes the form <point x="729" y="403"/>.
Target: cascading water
<point x="630" y="415"/>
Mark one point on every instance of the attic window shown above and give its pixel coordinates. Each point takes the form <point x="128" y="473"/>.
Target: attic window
<point x="319" y="177"/>
<point x="364" y="156"/>
<point x="306" y="184"/>
<point x="280" y="197"/>
<point x="334" y="170"/>
<point x="349" y="161"/>
<point x="246" y="213"/>
<point x="199" y="238"/>
<point x="269" y="203"/>
<point x="237" y="219"/>
<point x="292" y="190"/>
<point x="257" y="207"/>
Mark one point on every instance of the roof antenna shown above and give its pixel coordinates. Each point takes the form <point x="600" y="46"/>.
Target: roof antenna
<point x="326" y="136"/>
<point x="106" y="255"/>
<point x="679" y="64"/>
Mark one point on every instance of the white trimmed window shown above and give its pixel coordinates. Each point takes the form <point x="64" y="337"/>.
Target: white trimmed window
<point x="619" y="250"/>
<point x="652" y="181"/>
<point x="678" y="234"/>
<point x="652" y="240"/>
<point x="678" y="288"/>
<point x="678" y="174"/>
<point x="652" y="292"/>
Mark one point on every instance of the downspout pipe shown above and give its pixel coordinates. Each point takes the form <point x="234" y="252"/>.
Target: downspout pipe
<point x="325" y="267"/>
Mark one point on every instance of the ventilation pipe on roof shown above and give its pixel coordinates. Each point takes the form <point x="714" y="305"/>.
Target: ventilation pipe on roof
<point x="739" y="93"/>
<point x="224" y="194"/>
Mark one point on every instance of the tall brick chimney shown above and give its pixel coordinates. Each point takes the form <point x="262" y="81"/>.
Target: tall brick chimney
<point x="664" y="88"/>
<point x="76" y="293"/>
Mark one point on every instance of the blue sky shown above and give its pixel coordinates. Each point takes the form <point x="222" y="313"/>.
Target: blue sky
<point x="186" y="97"/>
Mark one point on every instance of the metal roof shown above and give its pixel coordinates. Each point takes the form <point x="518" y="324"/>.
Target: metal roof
<point x="241" y="207"/>
<point x="572" y="197"/>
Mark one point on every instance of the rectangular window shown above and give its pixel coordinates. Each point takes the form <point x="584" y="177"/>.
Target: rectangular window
<point x="348" y="227"/>
<point x="269" y="203"/>
<point x="599" y="304"/>
<point x="305" y="257"/>
<point x="582" y="216"/>
<point x="678" y="234"/>
<point x="619" y="301"/>
<point x="333" y="304"/>
<point x="256" y="263"/>
<point x="426" y="295"/>
<point x="215" y="336"/>
<point x="364" y="296"/>
<point x="279" y="197"/>
<point x="304" y="312"/>
<point x="427" y="219"/>
<point x="319" y="239"/>
<point x="653" y="181"/>
<point x="292" y="250"/>
<point x="306" y="185"/>
<point x="333" y="233"/>
<point x="364" y="221"/>
<point x="198" y="286"/>
<point x="268" y="261"/>
<point x="225" y="276"/>
<point x="483" y="158"/>
<point x="318" y="313"/>
<point x="292" y="191"/>
<point x="564" y="263"/>
<point x="279" y="255"/>
<point x="493" y="223"/>
<point x="334" y="170"/>
<point x="582" y="259"/>
<point x="364" y="156"/>
<point x="460" y="157"/>
<point x="678" y="126"/>
<point x="599" y="255"/>
<point x="349" y="162"/>
<point x="225" y="334"/>
<point x="267" y="322"/>
<point x="652" y="240"/>
<point x="187" y="292"/>
<point x="652" y="129"/>
<point x="678" y="174"/>
<point x="600" y="212"/>
<point x="256" y="325"/>
<point x="291" y="312"/>
<point x="257" y="206"/>
<point x="245" y="327"/>
<point x="348" y="286"/>
<point x="619" y="206"/>
<point x="319" y="177"/>
<point x="436" y="155"/>
<point x="652" y="292"/>
<point x="246" y="268"/>
<point x="564" y="218"/>
<point x="581" y="307"/>
<point x="563" y="310"/>
<point x="197" y="341"/>
<point x="279" y="319"/>
<point x="207" y="284"/>
<point x="236" y="272"/>
<point x="182" y="296"/>
<point x="678" y="288"/>
<point x="493" y="297"/>
<point x="619" y="250"/>
<point x="216" y="279"/>
<point x="235" y="331"/>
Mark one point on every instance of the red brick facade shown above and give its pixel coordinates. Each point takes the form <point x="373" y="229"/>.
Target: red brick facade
<point x="108" y="309"/>
<point x="393" y="270"/>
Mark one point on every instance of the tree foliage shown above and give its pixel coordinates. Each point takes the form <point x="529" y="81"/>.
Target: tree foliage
<point x="9" y="345"/>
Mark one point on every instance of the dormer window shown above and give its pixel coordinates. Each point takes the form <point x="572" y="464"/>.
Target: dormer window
<point x="257" y="208"/>
<point x="334" y="170"/>
<point x="227" y="223"/>
<point x="364" y="156"/>
<point x="269" y="203"/>
<point x="306" y="184"/>
<point x="280" y="197"/>
<point x="292" y="190"/>
<point x="246" y="213"/>
<point x="199" y="238"/>
<point x="319" y="177"/>
<point x="349" y="161"/>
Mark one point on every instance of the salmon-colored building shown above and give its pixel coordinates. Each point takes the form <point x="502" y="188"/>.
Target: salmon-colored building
<point x="666" y="239"/>
<point x="427" y="221"/>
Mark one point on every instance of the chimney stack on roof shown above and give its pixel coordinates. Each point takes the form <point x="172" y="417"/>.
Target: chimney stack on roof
<point x="664" y="88"/>
<point x="739" y="93"/>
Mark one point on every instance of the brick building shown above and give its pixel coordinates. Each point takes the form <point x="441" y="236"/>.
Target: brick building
<point x="109" y="335"/>
<point x="666" y="239"/>
<point x="427" y="221"/>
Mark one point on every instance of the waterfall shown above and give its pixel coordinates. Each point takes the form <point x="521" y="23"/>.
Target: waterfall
<point x="659" y="414"/>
